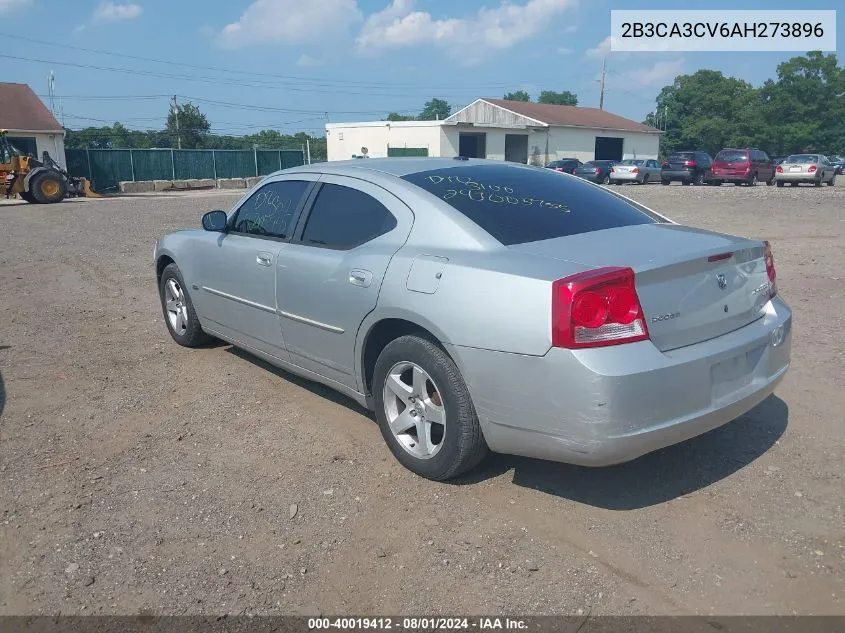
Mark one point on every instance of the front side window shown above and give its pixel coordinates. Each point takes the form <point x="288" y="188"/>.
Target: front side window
<point x="269" y="212"/>
<point x="518" y="205"/>
<point x="343" y="218"/>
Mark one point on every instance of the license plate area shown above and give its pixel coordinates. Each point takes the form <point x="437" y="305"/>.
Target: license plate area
<point x="794" y="169"/>
<point x="729" y="376"/>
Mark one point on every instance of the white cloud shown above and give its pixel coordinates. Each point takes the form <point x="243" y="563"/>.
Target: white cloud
<point x="306" y="61"/>
<point x="113" y="12"/>
<point x="564" y="51"/>
<point x="290" y="22"/>
<point x="11" y="5"/>
<point x="569" y="30"/>
<point x="398" y="25"/>
<point x="659" y="74"/>
<point x="603" y="50"/>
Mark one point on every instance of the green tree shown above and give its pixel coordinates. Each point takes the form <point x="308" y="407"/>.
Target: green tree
<point x="558" y="98"/>
<point x="435" y="110"/>
<point x="519" y="95"/>
<point x="192" y="127"/>
<point x="395" y="116"/>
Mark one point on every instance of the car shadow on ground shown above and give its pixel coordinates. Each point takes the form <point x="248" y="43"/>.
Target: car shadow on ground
<point x="314" y="387"/>
<point x="654" y="478"/>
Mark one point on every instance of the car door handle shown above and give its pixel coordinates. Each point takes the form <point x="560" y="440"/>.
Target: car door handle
<point x="358" y="277"/>
<point x="264" y="259"/>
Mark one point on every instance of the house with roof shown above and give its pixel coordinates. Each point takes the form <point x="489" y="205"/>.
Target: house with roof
<point x="30" y="126"/>
<point x="515" y="131"/>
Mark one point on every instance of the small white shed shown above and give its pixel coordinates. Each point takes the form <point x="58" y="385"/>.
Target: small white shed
<point x="30" y="125"/>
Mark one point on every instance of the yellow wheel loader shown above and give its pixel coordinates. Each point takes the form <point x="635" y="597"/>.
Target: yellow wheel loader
<point x="38" y="182"/>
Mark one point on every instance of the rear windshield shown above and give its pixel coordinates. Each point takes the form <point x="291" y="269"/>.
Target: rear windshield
<point x="518" y="205"/>
<point x="732" y="155"/>
<point x="682" y="156"/>
<point x="802" y="159"/>
<point x="631" y="161"/>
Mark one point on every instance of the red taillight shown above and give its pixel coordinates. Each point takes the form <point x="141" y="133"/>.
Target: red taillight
<point x="559" y="169"/>
<point x="597" y="169"/>
<point x="597" y="308"/>
<point x="812" y="169"/>
<point x="664" y="164"/>
<point x="690" y="163"/>
<point x="635" y="170"/>
<point x="770" y="270"/>
<point x="780" y="169"/>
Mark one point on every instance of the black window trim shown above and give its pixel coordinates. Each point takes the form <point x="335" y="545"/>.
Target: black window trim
<point x="308" y="208"/>
<point x="297" y="213"/>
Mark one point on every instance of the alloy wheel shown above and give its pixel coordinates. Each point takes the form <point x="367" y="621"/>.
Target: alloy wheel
<point x="174" y="304"/>
<point x="414" y="410"/>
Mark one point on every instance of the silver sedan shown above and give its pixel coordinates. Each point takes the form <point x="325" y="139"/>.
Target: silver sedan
<point x="635" y="170"/>
<point x="481" y="305"/>
<point x="809" y="168"/>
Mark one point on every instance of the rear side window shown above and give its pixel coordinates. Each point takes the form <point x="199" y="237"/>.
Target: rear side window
<point x="732" y="155"/>
<point x="682" y="156"/>
<point x="519" y="205"/>
<point x="343" y="218"/>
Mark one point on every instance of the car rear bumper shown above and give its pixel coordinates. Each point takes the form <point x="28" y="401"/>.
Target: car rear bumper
<point x="797" y="177"/>
<point x="627" y="177"/>
<point x="603" y="406"/>
<point x="676" y="174"/>
<point x="730" y="176"/>
<point x="591" y="177"/>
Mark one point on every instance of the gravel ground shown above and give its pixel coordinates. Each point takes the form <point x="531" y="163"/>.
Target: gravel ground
<point x="141" y="477"/>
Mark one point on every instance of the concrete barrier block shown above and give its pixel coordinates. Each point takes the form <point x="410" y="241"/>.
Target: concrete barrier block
<point x="136" y="187"/>
<point x="231" y="183"/>
<point x="180" y="184"/>
<point x="251" y="182"/>
<point x="202" y="183"/>
<point x="162" y="185"/>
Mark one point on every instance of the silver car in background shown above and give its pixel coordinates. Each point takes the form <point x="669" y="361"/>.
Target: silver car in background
<point x="482" y="305"/>
<point x="809" y="168"/>
<point x="635" y="170"/>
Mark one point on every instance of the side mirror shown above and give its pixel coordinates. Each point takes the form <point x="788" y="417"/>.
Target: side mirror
<point x="214" y="221"/>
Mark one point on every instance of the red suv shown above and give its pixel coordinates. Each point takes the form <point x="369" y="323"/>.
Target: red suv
<point x="743" y="167"/>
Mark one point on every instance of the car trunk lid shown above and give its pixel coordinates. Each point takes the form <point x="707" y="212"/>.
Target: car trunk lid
<point x="694" y="285"/>
<point x="681" y="161"/>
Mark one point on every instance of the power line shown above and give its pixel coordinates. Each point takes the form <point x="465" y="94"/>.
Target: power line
<point x="298" y="79"/>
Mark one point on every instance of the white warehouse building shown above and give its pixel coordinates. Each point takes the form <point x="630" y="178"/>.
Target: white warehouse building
<point x="516" y="131"/>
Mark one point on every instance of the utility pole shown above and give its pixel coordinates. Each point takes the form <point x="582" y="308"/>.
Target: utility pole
<point x="603" y="72"/>
<point x="308" y="149"/>
<point x="176" y="114"/>
<point x="51" y="86"/>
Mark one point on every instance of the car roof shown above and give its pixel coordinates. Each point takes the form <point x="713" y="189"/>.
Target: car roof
<point x="392" y="166"/>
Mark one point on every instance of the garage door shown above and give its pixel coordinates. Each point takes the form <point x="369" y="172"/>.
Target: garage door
<point x="516" y="148"/>
<point x="608" y="148"/>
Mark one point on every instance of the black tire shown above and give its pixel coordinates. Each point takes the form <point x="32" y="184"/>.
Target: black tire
<point x="48" y="187"/>
<point x="716" y="183"/>
<point x="686" y="183"/>
<point x="192" y="335"/>
<point x="463" y="445"/>
<point x="832" y="181"/>
<point x="770" y="181"/>
<point x="779" y="183"/>
<point x="665" y="182"/>
<point x="752" y="181"/>
<point x="645" y="179"/>
<point x="698" y="180"/>
<point x="817" y="182"/>
<point x="27" y="197"/>
<point x="606" y="179"/>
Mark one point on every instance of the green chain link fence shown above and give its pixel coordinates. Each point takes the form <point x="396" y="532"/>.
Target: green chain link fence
<point x="106" y="168"/>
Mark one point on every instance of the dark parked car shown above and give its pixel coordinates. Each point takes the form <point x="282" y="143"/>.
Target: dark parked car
<point x="838" y="163"/>
<point x="565" y="165"/>
<point x="743" y="167"/>
<point x="596" y="171"/>
<point x="690" y="167"/>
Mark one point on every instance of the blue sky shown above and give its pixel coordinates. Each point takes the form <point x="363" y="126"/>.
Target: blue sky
<point x="291" y="64"/>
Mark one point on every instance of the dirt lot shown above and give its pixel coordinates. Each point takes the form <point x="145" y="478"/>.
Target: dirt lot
<point x="138" y="476"/>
